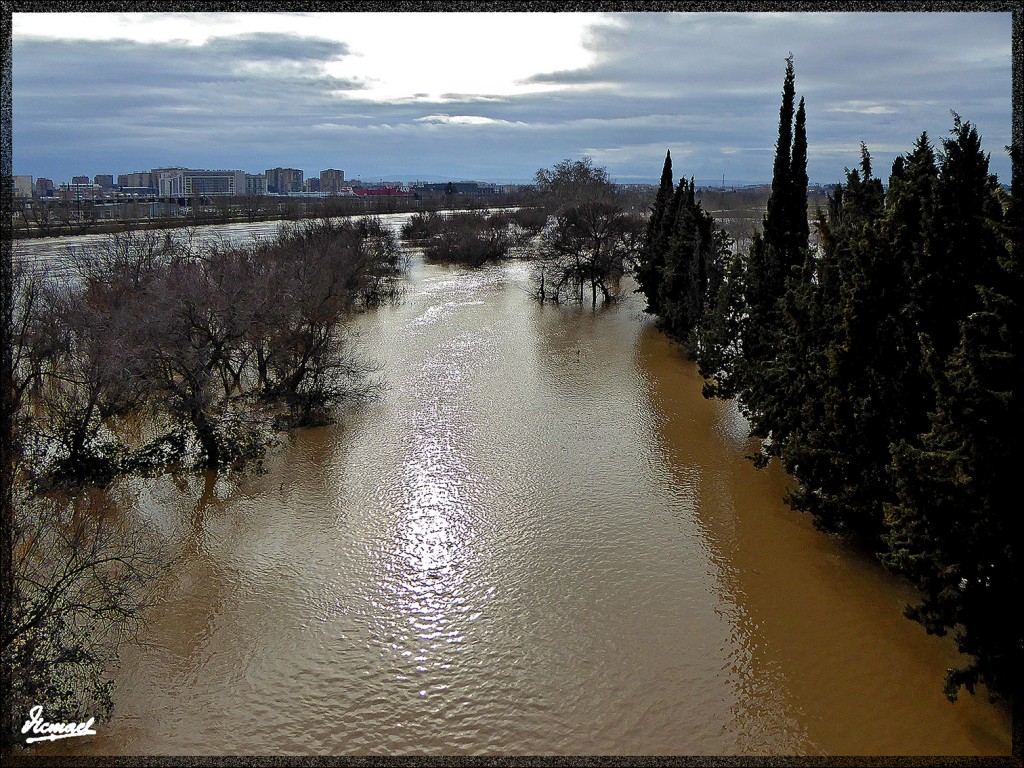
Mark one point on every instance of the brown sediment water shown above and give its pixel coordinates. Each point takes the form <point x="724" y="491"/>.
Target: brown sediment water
<point x="538" y="539"/>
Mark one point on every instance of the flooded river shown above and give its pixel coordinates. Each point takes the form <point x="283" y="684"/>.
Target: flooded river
<point x="539" y="538"/>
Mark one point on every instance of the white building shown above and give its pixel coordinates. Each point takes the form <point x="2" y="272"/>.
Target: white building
<point x="185" y="182"/>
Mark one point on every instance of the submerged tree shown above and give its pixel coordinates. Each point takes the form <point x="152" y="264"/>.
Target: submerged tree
<point x="80" y="584"/>
<point x="590" y="237"/>
<point x="469" y="238"/>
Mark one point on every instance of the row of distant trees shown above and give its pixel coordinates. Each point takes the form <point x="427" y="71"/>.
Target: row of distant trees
<point x="46" y="217"/>
<point x="883" y="368"/>
<point x="154" y="353"/>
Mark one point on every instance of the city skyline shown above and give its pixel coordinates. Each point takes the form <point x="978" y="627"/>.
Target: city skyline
<point x="492" y="97"/>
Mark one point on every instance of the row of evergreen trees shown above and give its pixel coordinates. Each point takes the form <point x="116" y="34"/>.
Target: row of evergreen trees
<point x="882" y="366"/>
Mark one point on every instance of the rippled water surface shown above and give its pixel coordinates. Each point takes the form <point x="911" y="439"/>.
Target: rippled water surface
<point x="539" y="538"/>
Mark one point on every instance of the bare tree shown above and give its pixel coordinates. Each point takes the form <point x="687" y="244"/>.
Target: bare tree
<point x="86" y="374"/>
<point x="322" y="271"/>
<point x="571" y="183"/>
<point x="590" y="238"/>
<point x="26" y="304"/>
<point x="81" y="582"/>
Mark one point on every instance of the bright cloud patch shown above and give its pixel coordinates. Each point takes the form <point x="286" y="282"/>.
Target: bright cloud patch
<point x="864" y="108"/>
<point x="462" y="120"/>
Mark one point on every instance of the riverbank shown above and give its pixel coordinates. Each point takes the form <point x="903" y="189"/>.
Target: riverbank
<point x="300" y="209"/>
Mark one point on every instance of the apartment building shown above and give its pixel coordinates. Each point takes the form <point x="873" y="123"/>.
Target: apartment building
<point x="255" y="184"/>
<point x="21" y="186"/>
<point x="185" y="182"/>
<point x="281" y="181"/>
<point x="136" y="180"/>
<point x="332" y="181"/>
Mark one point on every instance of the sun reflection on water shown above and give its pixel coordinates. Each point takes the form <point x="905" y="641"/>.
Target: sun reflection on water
<point x="429" y="600"/>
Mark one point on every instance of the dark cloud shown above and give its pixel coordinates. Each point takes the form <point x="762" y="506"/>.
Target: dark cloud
<point x="103" y="103"/>
<point x="878" y="77"/>
<point x="261" y="46"/>
<point x="705" y="85"/>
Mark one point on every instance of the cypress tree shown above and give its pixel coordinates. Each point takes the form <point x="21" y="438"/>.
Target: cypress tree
<point x="775" y="257"/>
<point x="766" y="276"/>
<point x="716" y="341"/>
<point x="910" y="202"/>
<point x="797" y="247"/>
<point x="777" y="214"/>
<point x="963" y="239"/>
<point x="955" y="528"/>
<point x="651" y="259"/>
<point x="693" y="266"/>
<point x="676" y="273"/>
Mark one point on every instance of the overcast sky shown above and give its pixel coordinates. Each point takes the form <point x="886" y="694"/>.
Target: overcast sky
<point x="493" y="96"/>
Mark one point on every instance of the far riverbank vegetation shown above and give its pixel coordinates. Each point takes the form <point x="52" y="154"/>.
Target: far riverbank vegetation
<point x="55" y="218"/>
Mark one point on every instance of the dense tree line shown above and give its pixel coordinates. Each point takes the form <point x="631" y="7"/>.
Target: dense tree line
<point x="205" y="337"/>
<point x="682" y="259"/>
<point x="155" y="352"/>
<point x="882" y="367"/>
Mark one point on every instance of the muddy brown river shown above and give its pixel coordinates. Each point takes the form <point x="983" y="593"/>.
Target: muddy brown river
<point x="538" y="538"/>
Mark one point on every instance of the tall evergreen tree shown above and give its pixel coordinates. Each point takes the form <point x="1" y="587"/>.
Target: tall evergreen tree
<point x="652" y="255"/>
<point x="681" y="242"/>
<point x="956" y="527"/>
<point x="776" y="256"/>
<point x="956" y="530"/>
<point x="694" y="263"/>
<point x="797" y="246"/>
<point x="717" y="339"/>
<point x="776" y="215"/>
<point x="964" y="240"/>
